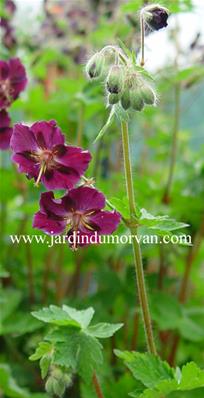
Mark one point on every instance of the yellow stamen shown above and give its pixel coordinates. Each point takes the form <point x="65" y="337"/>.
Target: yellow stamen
<point x="41" y="172"/>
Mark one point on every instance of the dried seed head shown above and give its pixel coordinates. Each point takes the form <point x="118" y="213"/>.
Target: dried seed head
<point x="115" y="80"/>
<point x="94" y="67"/>
<point x="155" y="16"/>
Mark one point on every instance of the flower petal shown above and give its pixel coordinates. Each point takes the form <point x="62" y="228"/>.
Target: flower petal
<point x="17" y="76"/>
<point x="51" y="206"/>
<point x="26" y="164"/>
<point x="61" y="178"/>
<point x="5" y="130"/>
<point x="87" y="199"/>
<point x="4" y="70"/>
<point x="47" y="224"/>
<point x="47" y="134"/>
<point x="73" y="157"/>
<point x="23" y="139"/>
<point x="106" y="221"/>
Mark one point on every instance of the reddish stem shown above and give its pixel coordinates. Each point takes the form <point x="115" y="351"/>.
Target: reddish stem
<point x="97" y="386"/>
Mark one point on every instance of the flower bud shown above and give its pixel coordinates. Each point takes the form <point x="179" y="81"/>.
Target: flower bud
<point x="136" y="100"/>
<point x="148" y="94"/>
<point x="95" y="65"/>
<point x="113" y="99"/>
<point x="125" y="99"/>
<point x="49" y="386"/>
<point x="155" y="16"/>
<point x="115" y="79"/>
<point x="57" y="382"/>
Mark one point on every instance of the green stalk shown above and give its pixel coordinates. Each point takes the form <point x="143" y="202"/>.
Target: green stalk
<point x="97" y="386"/>
<point x="142" y="30"/>
<point x="136" y="247"/>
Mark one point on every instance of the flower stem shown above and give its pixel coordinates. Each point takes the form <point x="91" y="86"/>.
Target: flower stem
<point x="142" y="30"/>
<point x="97" y="386"/>
<point x="136" y="247"/>
<point x="172" y="164"/>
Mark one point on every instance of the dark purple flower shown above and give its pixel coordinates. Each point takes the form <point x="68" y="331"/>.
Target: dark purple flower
<point x="5" y="130"/>
<point x="155" y="16"/>
<point x="10" y="7"/>
<point x="80" y="212"/>
<point x="12" y="81"/>
<point x="41" y="153"/>
<point x="8" y="37"/>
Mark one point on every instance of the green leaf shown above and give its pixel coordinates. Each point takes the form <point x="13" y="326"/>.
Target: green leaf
<point x="147" y="368"/>
<point x="125" y="49"/>
<point x="81" y="352"/>
<point x="162" y="304"/>
<point x="190" y="330"/>
<point x="20" y="323"/>
<point x="121" y="205"/>
<point x="83" y="317"/>
<point x="156" y="376"/>
<point x="10" y="299"/>
<point x="56" y="316"/>
<point x="161" y="224"/>
<point x="107" y="125"/>
<point x="191" y="377"/>
<point x="43" y="348"/>
<point x="43" y="352"/>
<point x="9" y="386"/>
<point x="103" y="330"/>
<point x="45" y="363"/>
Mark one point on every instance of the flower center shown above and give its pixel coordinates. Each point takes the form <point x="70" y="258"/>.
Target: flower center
<point x="45" y="158"/>
<point x="5" y="90"/>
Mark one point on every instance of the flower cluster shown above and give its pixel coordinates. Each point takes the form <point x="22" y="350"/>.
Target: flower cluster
<point x="125" y="83"/>
<point x="12" y="81"/>
<point x="40" y="152"/>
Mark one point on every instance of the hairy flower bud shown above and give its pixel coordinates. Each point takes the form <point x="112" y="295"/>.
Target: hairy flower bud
<point x="115" y="79"/>
<point x="148" y="95"/>
<point x="95" y="66"/>
<point x="136" y="99"/>
<point x="57" y="382"/>
<point x="155" y="16"/>
<point x="113" y="99"/>
<point x="125" y="99"/>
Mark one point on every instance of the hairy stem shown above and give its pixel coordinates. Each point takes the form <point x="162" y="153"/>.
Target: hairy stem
<point x="136" y="247"/>
<point x="80" y="125"/>
<point x="97" y="386"/>
<point x="142" y="30"/>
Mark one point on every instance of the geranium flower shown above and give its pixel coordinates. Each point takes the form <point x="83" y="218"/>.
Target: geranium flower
<point x="80" y="211"/>
<point x="5" y="130"/>
<point x="12" y="81"/>
<point x="41" y="153"/>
